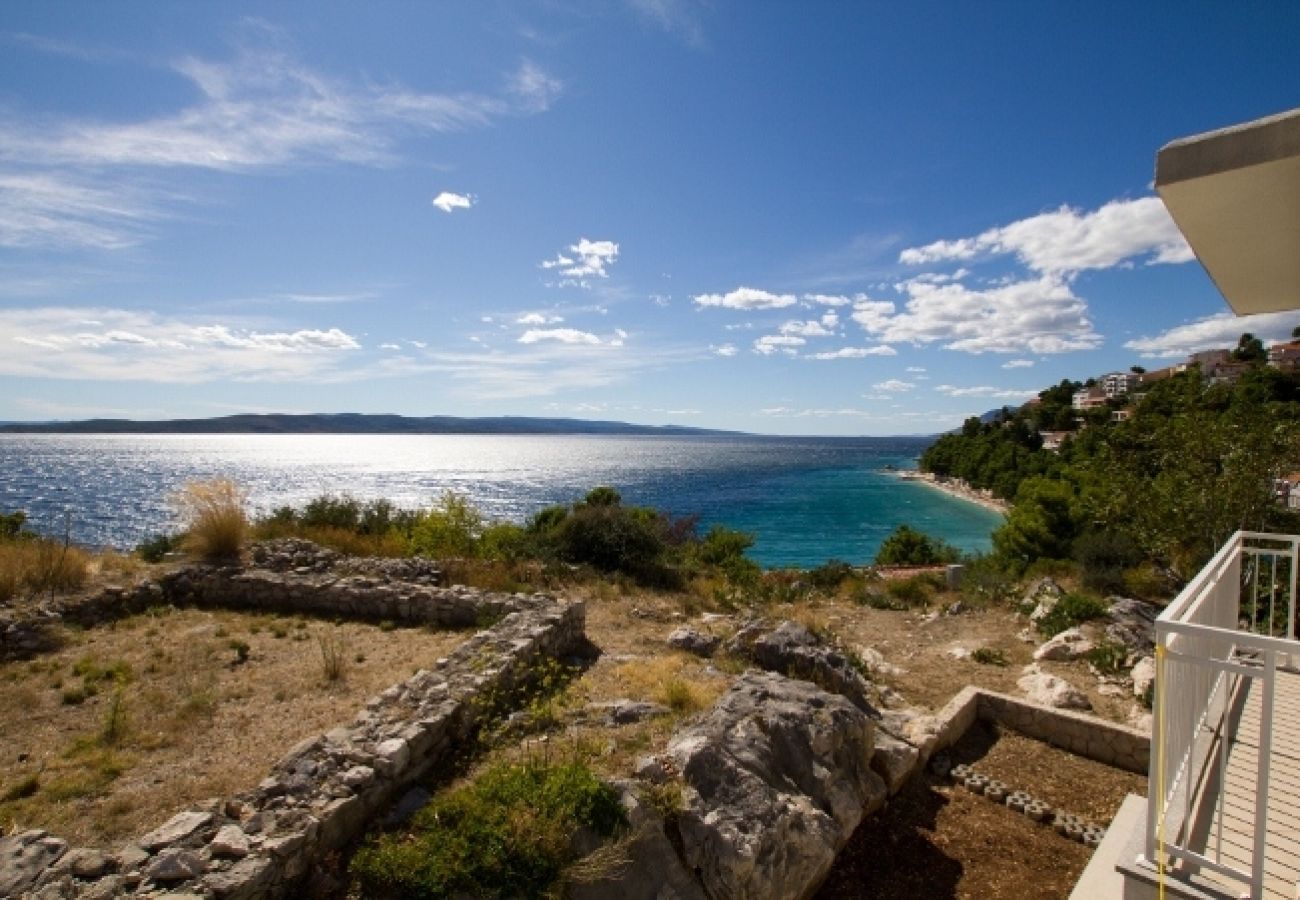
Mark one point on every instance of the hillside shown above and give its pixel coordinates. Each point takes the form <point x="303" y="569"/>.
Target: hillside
<point x="349" y="423"/>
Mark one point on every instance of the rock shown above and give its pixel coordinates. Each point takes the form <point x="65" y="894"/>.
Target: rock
<point x="391" y="756"/>
<point x="793" y="650"/>
<point x="1042" y="596"/>
<point x="1069" y="644"/>
<point x="230" y="842"/>
<point x="876" y="664"/>
<point x="84" y="863"/>
<point x="245" y="880"/>
<point x="893" y="760"/>
<point x="627" y="712"/>
<point x="958" y="652"/>
<point x="175" y="864"/>
<point x="24" y="857"/>
<point x="649" y="868"/>
<point x="1050" y="690"/>
<point x="777" y="776"/>
<point x="1132" y="623"/>
<point x="693" y="641"/>
<point x="176" y="829"/>
<point x="1144" y="677"/>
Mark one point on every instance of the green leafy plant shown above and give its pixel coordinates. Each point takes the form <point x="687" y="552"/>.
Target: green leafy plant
<point x="989" y="656"/>
<point x="505" y="834"/>
<point x="1109" y="657"/>
<point x="1071" y="610"/>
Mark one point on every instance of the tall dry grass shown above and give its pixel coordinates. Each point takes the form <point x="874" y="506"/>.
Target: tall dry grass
<point x="216" y="521"/>
<point x="34" y="566"/>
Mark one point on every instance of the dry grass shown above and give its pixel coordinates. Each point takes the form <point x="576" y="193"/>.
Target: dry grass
<point x="31" y="567"/>
<point x="177" y="708"/>
<point x="215" y="518"/>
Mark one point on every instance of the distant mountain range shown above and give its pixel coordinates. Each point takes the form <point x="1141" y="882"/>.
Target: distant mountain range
<point x="351" y="423"/>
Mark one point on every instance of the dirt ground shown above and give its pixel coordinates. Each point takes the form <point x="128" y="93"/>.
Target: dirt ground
<point x="193" y="721"/>
<point x="936" y="840"/>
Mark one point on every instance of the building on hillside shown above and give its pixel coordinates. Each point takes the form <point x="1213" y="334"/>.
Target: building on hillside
<point x="1285" y="356"/>
<point x="1118" y="384"/>
<point x="1052" y="440"/>
<point x="1225" y="372"/>
<point x="1121" y="415"/>
<point x="1089" y="398"/>
<point x="1207" y="359"/>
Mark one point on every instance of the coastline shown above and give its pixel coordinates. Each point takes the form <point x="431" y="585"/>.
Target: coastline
<point x="954" y="487"/>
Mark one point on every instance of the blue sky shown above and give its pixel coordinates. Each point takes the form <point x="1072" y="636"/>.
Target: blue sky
<point x="809" y="218"/>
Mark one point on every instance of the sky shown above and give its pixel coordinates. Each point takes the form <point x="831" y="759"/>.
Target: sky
<point x="776" y="217"/>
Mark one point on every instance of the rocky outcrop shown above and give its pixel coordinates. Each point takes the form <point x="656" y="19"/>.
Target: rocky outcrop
<point x="693" y="641"/>
<point x="1051" y="690"/>
<point x="1070" y="644"/>
<point x="776" y="777"/>
<point x="792" y="649"/>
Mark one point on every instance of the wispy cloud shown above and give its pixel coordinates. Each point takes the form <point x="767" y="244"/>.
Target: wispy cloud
<point x="985" y="391"/>
<point x="1068" y="240"/>
<point x="855" y="352"/>
<point x="535" y="318"/>
<point x="1221" y="330"/>
<point x="778" y="343"/>
<point x="677" y="17"/>
<point x="894" y="385"/>
<point x="125" y="345"/>
<point x="746" y="298"/>
<point x="559" y="336"/>
<point x="39" y="209"/>
<point x="1018" y="364"/>
<point x="448" y="201"/>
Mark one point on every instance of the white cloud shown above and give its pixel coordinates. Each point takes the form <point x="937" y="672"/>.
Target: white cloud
<point x="44" y="210"/>
<point x="985" y="391"/>
<point x="558" y="335"/>
<point x="1068" y="240"/>
<point x="916" y="368"/>
<point x="828" y="299"/>
<point x="590" y="258"/>
<point x="127" y="345"/>
<point x="724" y="349"/>
<point x="811" y="328"/>
<point x="390" y="346"/>
<point x="1018" y="364"/>
<point x="746" y="298"/>
<point x="678" y="17"/>
<point x="1041" y="315"/>
<point x="447" y="201"/>
<point x="534" y="318"/>
<point x="894" y="385"/>
<point x="773" y="343"/>
<point x="1220" y="330"/>
<point x="855" y="352"/>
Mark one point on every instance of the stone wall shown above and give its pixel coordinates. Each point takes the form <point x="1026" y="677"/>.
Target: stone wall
<point x="287" y="576"/>
<point x="268" y="841"/>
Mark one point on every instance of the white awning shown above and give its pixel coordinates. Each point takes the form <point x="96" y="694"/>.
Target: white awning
<point x="1235" y="195"/>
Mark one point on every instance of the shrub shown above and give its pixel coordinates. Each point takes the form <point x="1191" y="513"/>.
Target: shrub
<point x="333" y="654"/>
<point x="906" y="546"/>
<point x="1103" y="557"/>
<point x="506" y="834"/>
<point x="11" y="525"/>
<point x="154" y="549"/>
<point x="1071" y="610"/>
<point x="914" y="591"/>
<point x="36" y="566"/>
<point x="989" y="656"/>
<point x="830" y="575"/>
<point x="610" y="538"/>
<point x="1109" y="657"/>
<point x="505" y="542"/>
<point x="450" y="529"/>
<point x="216" y="523"/>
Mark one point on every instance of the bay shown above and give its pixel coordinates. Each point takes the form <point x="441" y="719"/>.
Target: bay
<point x="806" y="500"/>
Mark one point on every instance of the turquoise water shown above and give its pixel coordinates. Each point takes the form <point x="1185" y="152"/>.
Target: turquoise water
<point x="806" y="500"/>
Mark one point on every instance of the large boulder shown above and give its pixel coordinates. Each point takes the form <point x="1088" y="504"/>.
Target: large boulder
<point x="1132" y="623"/>
<point x="1070" y="644"/>
<point x="1051" y="690"/>
<point x="792" y="649"/>
<point x="777" y="775"/>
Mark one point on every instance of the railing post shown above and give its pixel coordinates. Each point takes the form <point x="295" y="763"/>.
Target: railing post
<point x="1259" y="853"/>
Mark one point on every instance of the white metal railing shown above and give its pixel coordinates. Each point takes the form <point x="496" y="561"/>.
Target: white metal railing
<point x="1233" y="625"/>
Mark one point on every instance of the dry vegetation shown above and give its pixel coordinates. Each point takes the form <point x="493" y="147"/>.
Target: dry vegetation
<point x="129" y="722"/>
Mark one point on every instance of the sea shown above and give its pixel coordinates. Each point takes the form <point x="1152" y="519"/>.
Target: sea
<point x="805" y="500"/>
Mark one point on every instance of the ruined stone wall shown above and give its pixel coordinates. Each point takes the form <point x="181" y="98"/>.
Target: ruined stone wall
<point x="266" y="842"/>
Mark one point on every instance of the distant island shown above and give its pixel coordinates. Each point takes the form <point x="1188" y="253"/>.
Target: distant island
<point x="352" y="423"/>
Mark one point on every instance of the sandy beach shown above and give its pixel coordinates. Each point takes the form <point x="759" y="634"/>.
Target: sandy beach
<point x="957" y="488"/>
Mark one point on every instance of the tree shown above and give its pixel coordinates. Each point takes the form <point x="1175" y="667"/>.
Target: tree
<point x="906" y="546"/>
<point x="1041" y="525"/>
<point x="1137" y="370"/>
<point x="1250" y="349"/>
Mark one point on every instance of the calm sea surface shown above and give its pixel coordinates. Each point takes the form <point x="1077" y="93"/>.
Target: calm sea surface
<point x="806" y="500"/>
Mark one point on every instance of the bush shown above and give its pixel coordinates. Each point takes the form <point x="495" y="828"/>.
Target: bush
<point x="506" y="834"/>
<point x="1071" y="610"/>
<point x="33" y="566"/>
<point x="830" y="575"/>
<point x="908" y="547"/>
<point x="448" y="530"/>
<point x="216" y="524"/>
<point x="611" y="538"/>
<point x="155" y="549"/>
<point x="1103" y="557"/>
<point x="11" y="525"/>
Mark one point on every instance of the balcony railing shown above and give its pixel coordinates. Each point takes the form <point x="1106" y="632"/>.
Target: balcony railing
<point x="1219" y="648"/>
